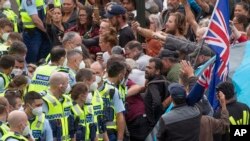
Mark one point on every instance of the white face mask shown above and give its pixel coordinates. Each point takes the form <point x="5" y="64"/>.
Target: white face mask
<point x="7" y="4"/>
<point x="98" y="79"/>
<point x="5" y="36"/>
<point x="82" y="65"/>
<point x="21" y="109"/>
<point x="93" y="86"/>
<point x="68" y="89"/>
<point x="79" y="48"/>
<point x="37" y="111"/>
<point x="26" y="130"/>
<point x="17" y="72"/>
<point x="89" y="98"/>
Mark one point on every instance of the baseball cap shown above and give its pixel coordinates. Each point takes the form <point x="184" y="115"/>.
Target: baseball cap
<point x="177" y="91"/>
<point x="203" y="51"/>
<point x="114" y="10"/>
<point x="168" y="53"/>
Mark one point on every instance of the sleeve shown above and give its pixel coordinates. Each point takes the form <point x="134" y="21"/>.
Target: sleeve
<point x="11" y="139"/>
<point x="161" y="135"/>
<point x="1" y="84"/>
<point x="118" y="104"/>
<point x="30" y="7"/>
<point x="220" y="125"/>
<point x="91" y="42"/>
<point x="45" y="107"/>
<point x="47" y="131"/>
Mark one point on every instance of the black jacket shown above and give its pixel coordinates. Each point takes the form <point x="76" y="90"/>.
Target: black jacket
<point x="153" y="100"/>
<point x="182" y="123"/>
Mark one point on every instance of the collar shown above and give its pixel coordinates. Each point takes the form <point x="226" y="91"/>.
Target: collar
<point x="178" y="106"/>
<point x="126" y="25"/>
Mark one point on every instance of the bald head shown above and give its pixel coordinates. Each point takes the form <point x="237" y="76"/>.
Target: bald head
<point x="16" y="118"/>
<point x="97" y="68"/>
<point x="57" y="78"/>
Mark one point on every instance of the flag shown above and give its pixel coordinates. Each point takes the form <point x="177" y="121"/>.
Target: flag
<point x="217" y="38"/>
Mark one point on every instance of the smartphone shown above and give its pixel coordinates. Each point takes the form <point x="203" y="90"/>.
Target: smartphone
<point x="51" y="6"/>
<point x="131" y="17"/>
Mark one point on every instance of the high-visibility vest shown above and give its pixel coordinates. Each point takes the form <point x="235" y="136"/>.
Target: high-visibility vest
<point x="6" y="79"/>
<point x="4" y="129"/>
<point x="11" y="15"/>
<point x="97" y="103"/>
<point x="57" y="3"/>
<point x="12" y="135"/>
<point x="108" y="108"/>
<point x="86" y="117"/>
<point x="25" y="17"/>
<point x="37" y="126"/>
<point x="60" y="111"/>
<point x="123" y="92"/>
<point x="40" y="79"/>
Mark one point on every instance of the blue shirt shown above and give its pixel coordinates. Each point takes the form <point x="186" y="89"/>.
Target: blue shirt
<point x="29" y="6"/>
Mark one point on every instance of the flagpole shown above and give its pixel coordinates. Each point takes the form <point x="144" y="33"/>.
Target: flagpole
<point x="196" y="57"/>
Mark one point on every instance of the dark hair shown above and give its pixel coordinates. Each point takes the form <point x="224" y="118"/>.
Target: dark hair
<point x="115" y="58"/>
<point x="158" y="63"/>
<point x="14" y="36"/>
<point x="134" y="44"/>
<point x="57" y="53"/>
<point x="179" y="101"/>
<point x="19" y="58"/>
<point x="78" y="89"/>
<point x="89" y="12"/>
<point x="31" y="96"/>
<point x="17" y="47"/>
<point x="180" y="22"/>
<point x="18" y="81"/>
<point x="242" y="19"/>
<point x="3" y="104"/>
<point x="244" y="5"/>
<point x="115" y="68"/>
<point x="11" y="96"/>
<point x="7" y="61"/>
<point x="83" y="75"/>
<point x="5" y="22"/>
<point x="227" y="88"/>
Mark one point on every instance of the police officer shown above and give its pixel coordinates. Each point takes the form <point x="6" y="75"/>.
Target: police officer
<point x="34" y="35"/>
<point x="7" y="64"/>
<point x="83" y="112"/>
<point x="10" y="14"/>
<point x="4" y="110"/>
<point x="113" y="105"/>
<point x="57" y="107"/>
<point x="19" y="128"/>
<point x="87" y="76"/>
<point x="39" y="126"/>
<point x="40" y="79"/>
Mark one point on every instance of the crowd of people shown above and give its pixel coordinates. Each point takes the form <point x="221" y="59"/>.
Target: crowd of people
<point x="92" y="70"/>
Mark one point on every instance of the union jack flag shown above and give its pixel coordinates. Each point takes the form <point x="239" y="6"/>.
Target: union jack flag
<point x="217" y="38"/>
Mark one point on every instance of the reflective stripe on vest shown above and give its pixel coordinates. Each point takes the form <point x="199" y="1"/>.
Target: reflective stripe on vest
<point x="6" y="79"/>
<point x="4" y="129"/>
<point x="58" y="110"/>
<point x="105" y="94"/>
<point x="37" y="126"/>
<point x="123" y="92"/>
<point x="40" y="79"/>
<point x="86" y="117"/>
<point x="25" y="17"/>
<point x="12" y="135"/>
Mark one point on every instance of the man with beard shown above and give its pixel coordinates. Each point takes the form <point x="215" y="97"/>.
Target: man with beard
<point x="117" y="16"/>
<point x="172" y="6"/>
<point x="171" y="66"/>
<point x="155" y="92"/>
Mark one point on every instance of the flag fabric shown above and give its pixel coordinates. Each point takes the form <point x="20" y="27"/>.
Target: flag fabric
<point x="217" y="38"/>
